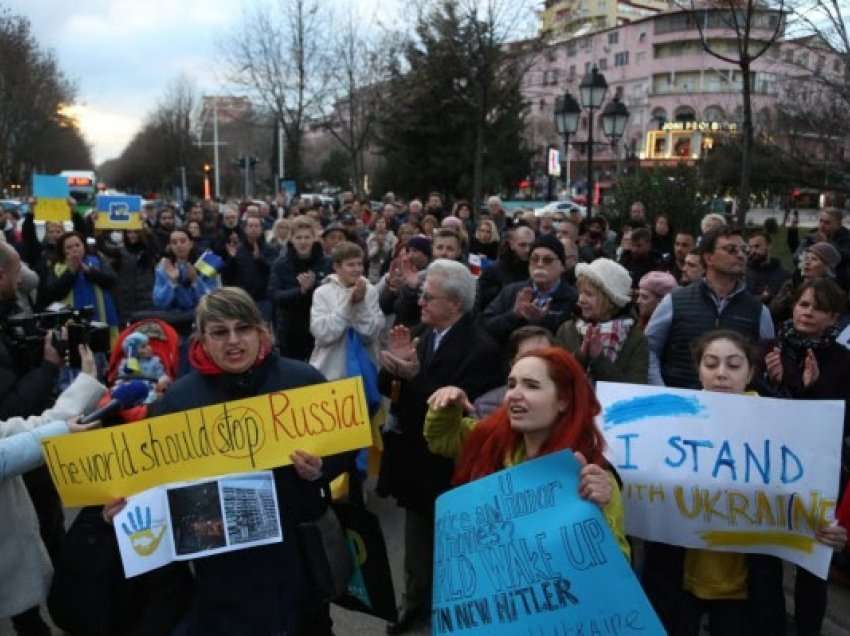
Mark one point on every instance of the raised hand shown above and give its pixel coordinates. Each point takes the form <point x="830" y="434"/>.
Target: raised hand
<point x="594" y="484"/>
<point x="408" y="272"/>
<point x="359" y="292"/>
<point x="773" y="364"/>
<point x="306" y="280"/>
<point x="522" y="302"/>
<point x="450" y="396"/>
<point x="87" y="364"/>
<point x="811" y="370"/>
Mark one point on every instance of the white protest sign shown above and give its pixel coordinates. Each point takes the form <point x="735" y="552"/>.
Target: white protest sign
<point x="196" y="519"/>
<point x="734" y="473"/>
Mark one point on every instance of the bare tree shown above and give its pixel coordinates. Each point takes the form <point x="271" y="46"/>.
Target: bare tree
<point x="756" y="27"/>
<point x="359" y="74"/>
<point x="277" y="55"/>
<point x="32" y="90"/>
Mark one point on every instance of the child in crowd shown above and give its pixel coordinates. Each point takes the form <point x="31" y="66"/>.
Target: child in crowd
<point x="140" y="362"/>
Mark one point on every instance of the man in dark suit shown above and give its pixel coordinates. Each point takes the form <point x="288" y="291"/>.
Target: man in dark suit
<point x="449" y="350"/>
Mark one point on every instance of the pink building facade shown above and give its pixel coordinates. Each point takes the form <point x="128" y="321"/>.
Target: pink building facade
<point x="681" y="99"/>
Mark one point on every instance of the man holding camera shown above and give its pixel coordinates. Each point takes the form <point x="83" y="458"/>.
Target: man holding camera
<point x="25" y="392"/>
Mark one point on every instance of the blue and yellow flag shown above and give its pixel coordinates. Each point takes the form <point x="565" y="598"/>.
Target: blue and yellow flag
<point x="209" y="264"/>
<point x="118" y="212"/>
<point x="51" y="194"/>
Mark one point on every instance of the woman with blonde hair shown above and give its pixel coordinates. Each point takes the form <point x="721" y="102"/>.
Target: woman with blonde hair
<point x="486" y="239"/>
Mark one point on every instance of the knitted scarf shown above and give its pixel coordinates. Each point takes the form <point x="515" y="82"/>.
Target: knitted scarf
<point x="612" y="332"/>
<point x="795" y="344"/>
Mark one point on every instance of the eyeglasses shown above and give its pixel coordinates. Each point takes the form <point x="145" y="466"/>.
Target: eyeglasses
<point x="543" y="259"/>
<point x="221" y="334"/>
<point x="732" y="250"/>
<point x="426" y="298"/>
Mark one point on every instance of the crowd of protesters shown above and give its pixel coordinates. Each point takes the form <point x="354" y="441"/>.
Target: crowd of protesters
<point x="447" y="302"/>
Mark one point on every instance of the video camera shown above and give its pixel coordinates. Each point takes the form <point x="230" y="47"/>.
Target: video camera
<point x="26" y="334"/>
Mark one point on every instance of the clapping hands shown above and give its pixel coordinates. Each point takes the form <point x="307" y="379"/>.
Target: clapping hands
<point x="401" y="359"/>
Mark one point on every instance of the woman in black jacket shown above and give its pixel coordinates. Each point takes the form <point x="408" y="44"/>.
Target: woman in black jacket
<point x="293" y="280"/>
<point x="134" y="259"/>
<point x="808" y="364"/>
<point x="264" y="589"/>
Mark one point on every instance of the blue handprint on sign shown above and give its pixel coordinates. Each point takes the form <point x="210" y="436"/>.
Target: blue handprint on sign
<point x="141" y="532"/>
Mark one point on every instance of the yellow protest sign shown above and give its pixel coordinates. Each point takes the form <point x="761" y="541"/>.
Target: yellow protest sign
<point x="240" y="436"/>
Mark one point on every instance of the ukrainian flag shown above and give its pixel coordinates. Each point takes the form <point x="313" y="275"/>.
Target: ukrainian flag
<point x="51" y="194"/>
<point x="209" y="264"/>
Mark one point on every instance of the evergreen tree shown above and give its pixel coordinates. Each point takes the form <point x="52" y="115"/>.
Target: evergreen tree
<point x="454" y="115"/>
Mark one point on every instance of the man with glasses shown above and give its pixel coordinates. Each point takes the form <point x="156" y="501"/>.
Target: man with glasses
<point x="545" y="298"/>
<point x="449" y="351"/>
<point x="717" y="301"/>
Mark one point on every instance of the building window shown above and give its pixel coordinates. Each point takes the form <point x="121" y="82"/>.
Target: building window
<point x="621" y="59"/>
<point x="685" y="113"/>
<point x="613" y="37"/>
<point x="586" y="68"/>
<point x="659" y="118"/>
<point x="603" y="64"/>
<point x="618" y="93"/>
<point x="572" y="74"/>
<point x="571" y="48"/>
<point x="642" y="37"/>
<point x="713" y="113"/>
<point x="542" y="104"/>
<point x="640" y="57"/>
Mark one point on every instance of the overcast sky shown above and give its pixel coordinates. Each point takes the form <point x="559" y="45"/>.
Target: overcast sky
<point x="122" y="53"/>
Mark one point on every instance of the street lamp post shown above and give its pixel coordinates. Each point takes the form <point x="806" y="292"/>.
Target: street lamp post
<point x="592" y="92"/>
<point x="615" y="116"/>
<point x="567" y="112"/>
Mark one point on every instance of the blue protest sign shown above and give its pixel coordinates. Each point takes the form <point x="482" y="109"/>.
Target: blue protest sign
<point x="519" y="552"/>
<point x="119" y="212"/>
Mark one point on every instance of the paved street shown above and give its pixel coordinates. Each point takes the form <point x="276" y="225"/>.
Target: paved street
<point x="354" y="624"/>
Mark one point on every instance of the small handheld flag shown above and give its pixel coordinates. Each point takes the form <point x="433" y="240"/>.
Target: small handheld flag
<point x="209" y="264"/>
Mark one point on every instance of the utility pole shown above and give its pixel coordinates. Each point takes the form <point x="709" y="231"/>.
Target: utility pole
<point x="281" y="139"/>
<point x="215" y="148"/>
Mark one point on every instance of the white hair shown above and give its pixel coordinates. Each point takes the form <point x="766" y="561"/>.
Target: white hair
<point x="711" y="219"/>
<point x="456" y="281"/>
<point x="494" y="200"/>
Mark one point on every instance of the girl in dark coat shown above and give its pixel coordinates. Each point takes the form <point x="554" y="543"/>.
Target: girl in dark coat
<point x="293" y="280"/>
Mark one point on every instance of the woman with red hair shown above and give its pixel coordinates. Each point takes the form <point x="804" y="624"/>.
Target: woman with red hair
<point x="549" y="406"/>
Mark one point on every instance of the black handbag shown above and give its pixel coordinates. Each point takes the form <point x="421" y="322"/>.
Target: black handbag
<point x="327" y="558"/>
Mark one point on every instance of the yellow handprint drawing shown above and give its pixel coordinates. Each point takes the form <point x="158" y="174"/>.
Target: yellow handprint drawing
<point x="141" y="533"/>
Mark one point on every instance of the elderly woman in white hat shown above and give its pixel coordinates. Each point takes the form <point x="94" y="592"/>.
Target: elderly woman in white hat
<point x="607" y="339"/>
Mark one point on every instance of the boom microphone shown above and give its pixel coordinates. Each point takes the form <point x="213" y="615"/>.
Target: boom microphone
<point x="125" y="396"/>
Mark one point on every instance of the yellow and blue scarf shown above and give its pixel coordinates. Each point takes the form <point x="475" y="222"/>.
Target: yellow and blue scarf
<point x="85" y="293"/>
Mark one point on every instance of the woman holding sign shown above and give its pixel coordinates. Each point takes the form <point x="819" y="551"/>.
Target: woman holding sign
<point x="734" y="589"/>
<point x="263" y="589"/>
<point x="549" y="406"/>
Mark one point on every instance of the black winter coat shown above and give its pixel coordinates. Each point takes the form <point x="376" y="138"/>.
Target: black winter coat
<point x="258" y="591"/>
<point x="247" y="271"/>
<point x="292" y="308"/>
<point x="500" y="320"/>
<point x="134" y="265"/>
<point x="22" y="392"/>
<point x="506" y="271"/>
<point x="465" y="358"/>
<point x="766" y="277"/>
